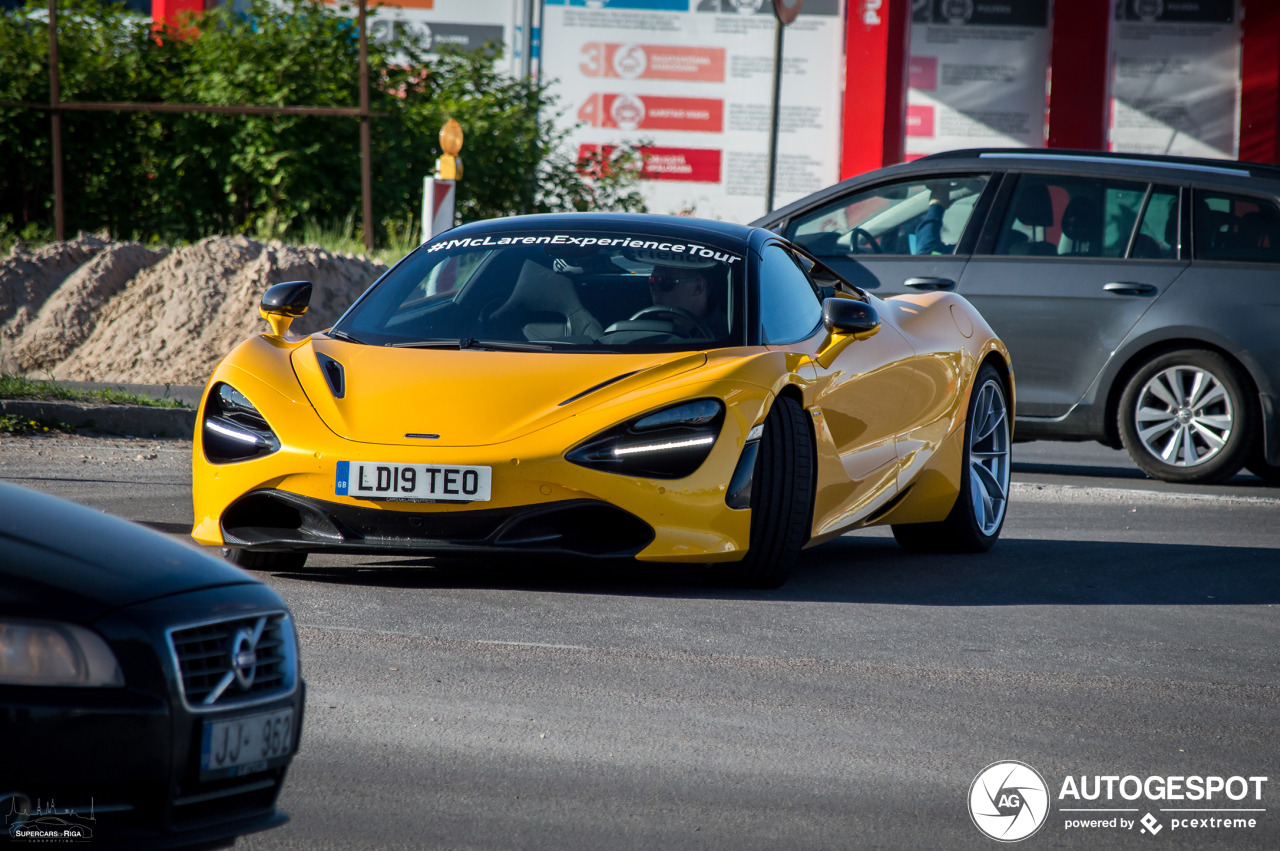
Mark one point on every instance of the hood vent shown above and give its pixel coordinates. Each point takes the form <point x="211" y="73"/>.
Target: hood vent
<point x="334" y="375"/>
<point x="593" y="389"/>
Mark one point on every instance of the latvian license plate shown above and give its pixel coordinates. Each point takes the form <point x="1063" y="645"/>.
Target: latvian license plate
<point x="234" y="747"/>
<point x="413" y="482"/>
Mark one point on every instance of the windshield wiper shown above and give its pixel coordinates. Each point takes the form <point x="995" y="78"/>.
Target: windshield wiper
<point x="343" y="335"/>
<point x="471" y="343"/>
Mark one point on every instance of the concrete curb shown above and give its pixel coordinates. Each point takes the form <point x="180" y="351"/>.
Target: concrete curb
<point x="132" y="420"/>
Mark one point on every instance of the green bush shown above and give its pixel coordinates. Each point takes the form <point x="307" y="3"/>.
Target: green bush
<point x="181" y="177"/>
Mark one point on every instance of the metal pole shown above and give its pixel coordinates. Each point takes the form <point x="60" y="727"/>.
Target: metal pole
<point x="526" y="40"/>
<point x="366" y="173"/>
<point x="774" y="108"/>
<point x="55" y="120"/>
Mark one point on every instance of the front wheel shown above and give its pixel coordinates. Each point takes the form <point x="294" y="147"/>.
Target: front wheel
<point x="1185" y="416"/>
<point x="974" y="524"/>
<point x="781" y="502"/>
<point x="250" y="560"/>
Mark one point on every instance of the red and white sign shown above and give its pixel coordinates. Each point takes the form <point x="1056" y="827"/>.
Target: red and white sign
<point x="694" y="165"/>
<point x="647" y="112"/>
<point x="920" y="121"/>
<point x="652" y="62"/>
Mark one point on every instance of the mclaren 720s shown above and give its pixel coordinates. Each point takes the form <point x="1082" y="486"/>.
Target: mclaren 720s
<point x="607" y="386"/>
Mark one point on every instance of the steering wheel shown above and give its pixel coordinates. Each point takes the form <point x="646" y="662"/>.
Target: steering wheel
<point x="871" y="240"/>
<point x="672" y="310"/>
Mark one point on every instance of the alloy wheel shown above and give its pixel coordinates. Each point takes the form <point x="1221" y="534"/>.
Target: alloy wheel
<point x="989" y="457"/>
<point x="1184" y="416"/>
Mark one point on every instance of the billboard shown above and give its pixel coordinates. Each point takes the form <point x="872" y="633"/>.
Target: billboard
<point x="1175" y="78"/>
<point x="467" y="24"/>
<point x="977" y="75"/>
<point x="691" y="80"/>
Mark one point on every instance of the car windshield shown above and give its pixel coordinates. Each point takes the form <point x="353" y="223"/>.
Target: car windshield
<point x="557" y="290"/>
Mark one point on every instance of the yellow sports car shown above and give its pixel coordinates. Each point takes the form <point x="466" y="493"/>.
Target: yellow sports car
<point x="610" y="386"/>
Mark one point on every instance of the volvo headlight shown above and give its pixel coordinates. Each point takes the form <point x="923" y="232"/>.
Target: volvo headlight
<point x="40" y="653"/>
<point x="666" y="444"/>
<point x="233" y="428"/>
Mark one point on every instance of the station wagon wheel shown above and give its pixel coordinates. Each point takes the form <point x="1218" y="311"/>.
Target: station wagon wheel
<point x="1185" y="416"/>
<point x="251" y="560"/>
<point x="975" y="521"/>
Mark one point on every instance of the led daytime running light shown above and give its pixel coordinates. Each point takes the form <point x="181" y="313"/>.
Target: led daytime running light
<point x="657" y="447"/>
<point x="232" y="433"/>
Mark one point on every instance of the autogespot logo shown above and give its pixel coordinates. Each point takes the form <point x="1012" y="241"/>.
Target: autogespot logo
<point x="1008" y="801"/>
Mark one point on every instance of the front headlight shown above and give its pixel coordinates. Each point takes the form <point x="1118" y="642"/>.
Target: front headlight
<point x="233" y="428"/>
<point x="666" y="444"/>
<point x="41" y="653"/>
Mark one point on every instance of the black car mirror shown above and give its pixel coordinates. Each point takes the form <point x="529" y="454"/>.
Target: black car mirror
<point x="282" y="303"/>
<point x="846" y="320"/>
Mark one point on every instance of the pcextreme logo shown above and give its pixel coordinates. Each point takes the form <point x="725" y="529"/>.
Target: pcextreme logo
<point x="1009" y="801"/>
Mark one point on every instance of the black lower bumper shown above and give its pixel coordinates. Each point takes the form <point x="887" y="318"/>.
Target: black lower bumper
<point x="272" y="520"/>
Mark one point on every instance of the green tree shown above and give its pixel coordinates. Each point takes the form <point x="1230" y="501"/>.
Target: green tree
<point x="183" y="176"/>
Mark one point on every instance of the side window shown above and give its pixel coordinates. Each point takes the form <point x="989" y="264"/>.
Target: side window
<point x="789" y="307"/>
<point x="1157" y="237"/>
<point x="1052" y="216"/>
<point x="1235" y="227"/>
<point x="921" y="216"/>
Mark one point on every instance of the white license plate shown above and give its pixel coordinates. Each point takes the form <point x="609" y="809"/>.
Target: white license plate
<point x="413" y="482"/>
<point x="239" y="746"/>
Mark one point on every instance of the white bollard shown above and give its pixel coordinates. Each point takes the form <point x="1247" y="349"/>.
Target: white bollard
<point x="437" y="206"/>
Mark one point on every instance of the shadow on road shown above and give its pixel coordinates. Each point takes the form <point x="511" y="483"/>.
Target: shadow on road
<point x="1017" y="572"/>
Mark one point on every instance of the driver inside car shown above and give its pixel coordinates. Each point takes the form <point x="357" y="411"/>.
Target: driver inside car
<point x="688" y="290"/>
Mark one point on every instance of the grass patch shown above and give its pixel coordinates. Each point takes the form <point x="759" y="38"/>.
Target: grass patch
<point x="12" y="424"/>
<point x="345" y="238"/>
<point x="18" y="387"/>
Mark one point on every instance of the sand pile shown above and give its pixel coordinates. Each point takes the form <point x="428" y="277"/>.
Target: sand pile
<point x="97" y="310"/>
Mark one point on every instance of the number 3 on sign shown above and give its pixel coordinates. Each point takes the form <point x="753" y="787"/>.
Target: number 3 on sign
<point x="591" y="66"/>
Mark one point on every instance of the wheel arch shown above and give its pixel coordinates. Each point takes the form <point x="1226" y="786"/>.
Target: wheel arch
<point x="1134" y="361"/>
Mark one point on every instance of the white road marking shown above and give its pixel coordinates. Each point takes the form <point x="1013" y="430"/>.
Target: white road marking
<point x="1032" y="492"/>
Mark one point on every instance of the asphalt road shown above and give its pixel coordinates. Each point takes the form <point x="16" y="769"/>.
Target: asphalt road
<point x="1120" y="627"/>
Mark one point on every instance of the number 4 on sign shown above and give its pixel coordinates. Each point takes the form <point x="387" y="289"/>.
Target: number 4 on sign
<point x="592" y="111"/>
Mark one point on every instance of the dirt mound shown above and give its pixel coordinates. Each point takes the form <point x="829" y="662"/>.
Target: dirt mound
<point x="127" y="314"/>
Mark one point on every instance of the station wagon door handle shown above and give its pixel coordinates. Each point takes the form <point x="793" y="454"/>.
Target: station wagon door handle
<point x="1126" y="288"/>
<point x="930" y="283"/>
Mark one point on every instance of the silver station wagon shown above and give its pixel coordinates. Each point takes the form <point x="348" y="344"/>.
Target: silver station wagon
<point x="1139" y="295"/>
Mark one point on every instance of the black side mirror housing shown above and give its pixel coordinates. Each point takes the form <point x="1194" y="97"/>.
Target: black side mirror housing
<point x="290" y="298"/>
<point x="849" y="316"/>
<point x="282" y="303"/>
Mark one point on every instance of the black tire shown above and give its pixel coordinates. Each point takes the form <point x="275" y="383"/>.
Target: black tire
<point x="781" y="502"/>
<point x="250" y="560"/>
<point x="962" y="532"/>
<point x="1239" y="406"/>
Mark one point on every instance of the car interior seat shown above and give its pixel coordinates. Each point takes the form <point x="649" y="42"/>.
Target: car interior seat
<point x="1033" y="207"/>
<point x="1082" y="225"/>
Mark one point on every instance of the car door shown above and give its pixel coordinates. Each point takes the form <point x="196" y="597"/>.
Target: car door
<point x="1064" y="272"/>
<point x="858" y="402"/>
<point x="901" y="236"/>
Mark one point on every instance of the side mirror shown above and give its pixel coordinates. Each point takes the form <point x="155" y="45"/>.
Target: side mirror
<point x="847" y="316"/>
<point x="846" y="320"/>
<point x="283" y="302"/>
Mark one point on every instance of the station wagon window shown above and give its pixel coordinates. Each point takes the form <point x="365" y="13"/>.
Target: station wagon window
<point x="1236" y="227"/>
<point x="789" y="306"/>
<point x="920" y="216"/>
<point x="1063" y="216"/>
<point x="1157" y="237"/>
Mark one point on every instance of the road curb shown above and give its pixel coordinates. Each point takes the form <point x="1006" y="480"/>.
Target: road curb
<point x="133" y="420"/>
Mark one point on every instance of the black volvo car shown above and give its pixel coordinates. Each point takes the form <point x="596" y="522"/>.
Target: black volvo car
<point x="1139" y="295"/>
<point x="150" y="694"/>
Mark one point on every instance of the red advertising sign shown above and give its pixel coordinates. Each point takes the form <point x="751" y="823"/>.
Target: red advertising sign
<point x="634" y="112"/>
<point x="652" y="62"/>
<point x="695" y="165"/>
<point x="919" y="121"/>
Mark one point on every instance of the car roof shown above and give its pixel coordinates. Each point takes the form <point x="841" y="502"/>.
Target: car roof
<point x="641" y="222"/>
<point x="1151" y="167"/>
